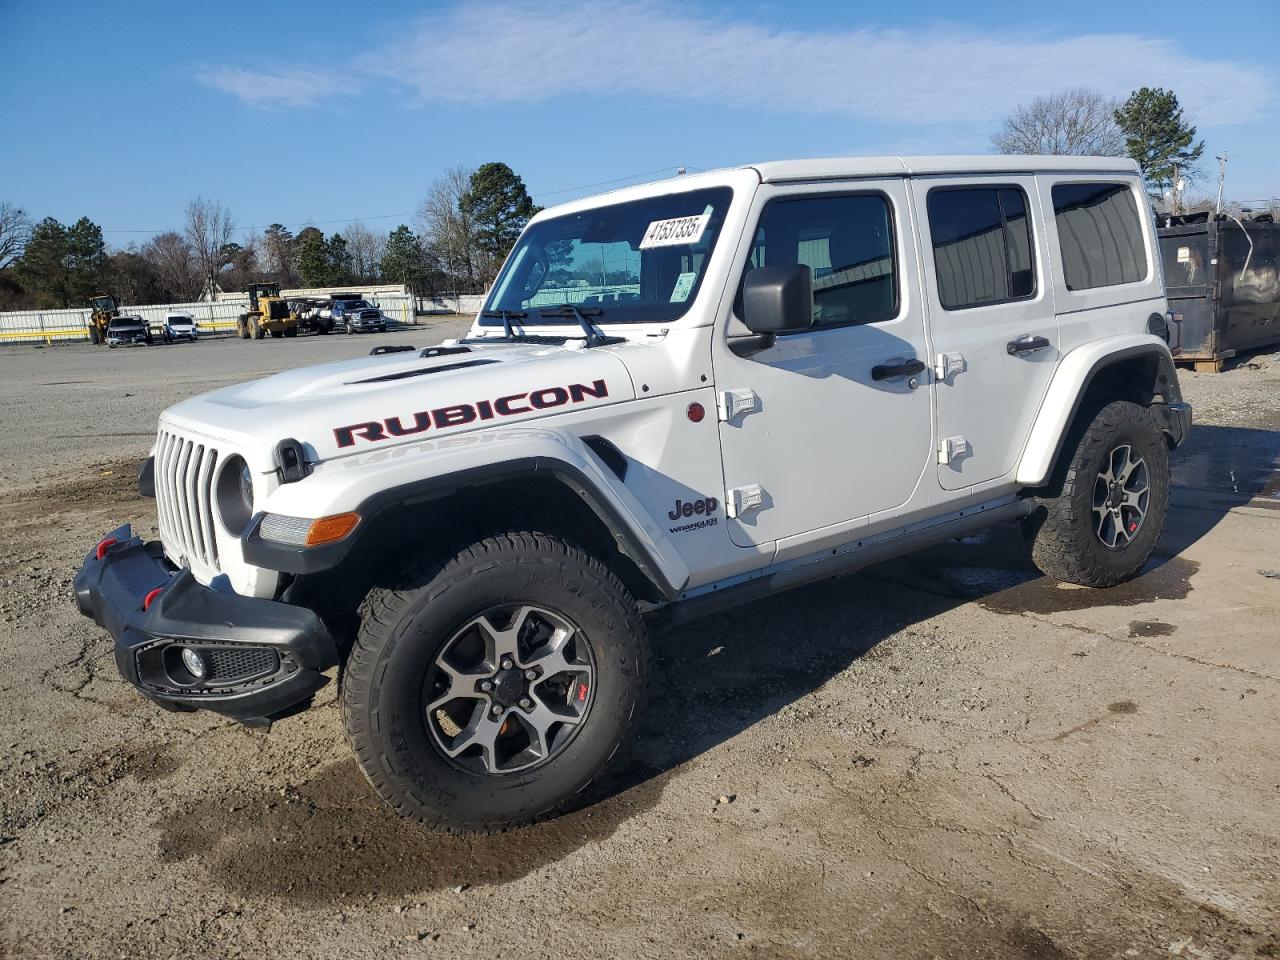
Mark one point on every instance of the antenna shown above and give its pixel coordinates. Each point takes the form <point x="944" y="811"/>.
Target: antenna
<point x="680" y="170"/>
<point x="1222" y="175"/>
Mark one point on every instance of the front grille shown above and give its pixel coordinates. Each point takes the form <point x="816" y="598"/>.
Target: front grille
<point x="239" y="663"/>
<point x="185" y="471"/>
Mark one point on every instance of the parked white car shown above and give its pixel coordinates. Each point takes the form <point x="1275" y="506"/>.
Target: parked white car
<point x="827" y="363"/>
<point x="180" y="326"/>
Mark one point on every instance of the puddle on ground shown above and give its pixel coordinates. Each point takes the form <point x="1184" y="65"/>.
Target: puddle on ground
<point x="996" y="572"/>
<point x="1162" y="579"/>
<point x="1150" y="628"/>
<point x="1235" y="463"/>
<point x="332" y="839"/>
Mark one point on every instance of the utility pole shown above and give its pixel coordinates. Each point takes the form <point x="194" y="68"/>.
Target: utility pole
<point x="1222" y="175"/>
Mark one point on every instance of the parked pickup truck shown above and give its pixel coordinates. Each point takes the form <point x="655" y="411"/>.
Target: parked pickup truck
<point x="357" y="316"/>
<point x="818" y="364"/>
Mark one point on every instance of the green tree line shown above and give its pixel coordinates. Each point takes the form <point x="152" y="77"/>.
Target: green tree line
<point x="465" y="228"/>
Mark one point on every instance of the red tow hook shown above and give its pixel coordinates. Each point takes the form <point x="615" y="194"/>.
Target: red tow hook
<point x="151" y="595"/>
<point x="102" y="547"/>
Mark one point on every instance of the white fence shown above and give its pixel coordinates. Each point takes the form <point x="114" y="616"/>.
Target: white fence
<point x="546" y="297"/>
<point x="48" y="326"/>
<point x="467" y="303"/>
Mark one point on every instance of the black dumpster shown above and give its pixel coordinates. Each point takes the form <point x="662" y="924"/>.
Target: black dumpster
<point x="1223" y="276"/>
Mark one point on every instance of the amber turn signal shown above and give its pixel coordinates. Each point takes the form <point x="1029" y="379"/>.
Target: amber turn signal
<point x="329" y="529"/>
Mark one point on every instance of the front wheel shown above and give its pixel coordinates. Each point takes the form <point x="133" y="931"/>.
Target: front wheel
<point x="1106" y="511"/>
<point x="492" y="687"/>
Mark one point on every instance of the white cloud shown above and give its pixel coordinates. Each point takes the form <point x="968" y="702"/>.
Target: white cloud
<point x="290" y="88"/>
<point x="521" y="51"/>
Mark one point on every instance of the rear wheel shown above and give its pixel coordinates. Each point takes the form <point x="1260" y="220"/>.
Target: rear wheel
<point x="491" y="688"/>
<point x="1109" y="508"/>
<point x="350" y="329"/>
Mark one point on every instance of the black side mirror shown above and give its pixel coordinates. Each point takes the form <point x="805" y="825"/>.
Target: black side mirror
<point x="778" y="299"/>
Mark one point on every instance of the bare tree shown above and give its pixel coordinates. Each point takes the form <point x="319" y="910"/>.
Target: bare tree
<point x="175" y="262"/>
<point x="15" y="230"/>
<point x="448" y="231"/>
<point x="280" y="253"/>
<point x="208" y="230"/>
<point x="1079" y="122"/>
<point x="366" y="249"/>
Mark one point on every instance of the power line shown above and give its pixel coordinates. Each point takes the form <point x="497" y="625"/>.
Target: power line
<point x="393" y="216"/>
<point x="605" y="183"/>
<point x="300" y="223"/>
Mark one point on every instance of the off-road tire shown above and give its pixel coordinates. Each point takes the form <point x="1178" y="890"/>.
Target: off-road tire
<point x="1066" y="544"/>
<point x="403" y="629"/>
<point x="350" y="329"/>
<point x="242" y="327"/>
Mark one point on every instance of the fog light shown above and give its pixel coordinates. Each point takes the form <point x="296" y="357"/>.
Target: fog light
<point x="194" y="663"/>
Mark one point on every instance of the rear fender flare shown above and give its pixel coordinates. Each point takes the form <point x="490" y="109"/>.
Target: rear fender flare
<point x="1076" y="371"/>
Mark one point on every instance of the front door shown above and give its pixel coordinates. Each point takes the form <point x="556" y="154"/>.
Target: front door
<point x="830" y="424"/>
<point x="991" y="320"/>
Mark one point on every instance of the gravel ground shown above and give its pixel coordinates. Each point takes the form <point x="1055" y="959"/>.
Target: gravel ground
<point x="946" y="755"/>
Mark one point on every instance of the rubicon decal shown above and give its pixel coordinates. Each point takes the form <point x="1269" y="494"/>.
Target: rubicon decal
<point x="458" y="414"/>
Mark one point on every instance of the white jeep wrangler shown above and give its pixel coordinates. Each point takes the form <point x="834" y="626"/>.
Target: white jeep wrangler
<point x="678" y="396"/>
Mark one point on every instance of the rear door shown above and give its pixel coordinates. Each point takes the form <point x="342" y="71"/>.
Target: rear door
<point x="991" y="319"/>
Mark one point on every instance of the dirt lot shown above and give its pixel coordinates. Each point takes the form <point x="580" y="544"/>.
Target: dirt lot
<point x="943" y="756"/>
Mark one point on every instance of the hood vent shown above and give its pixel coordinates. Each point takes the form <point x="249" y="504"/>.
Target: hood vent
<point x="422" y="372"/>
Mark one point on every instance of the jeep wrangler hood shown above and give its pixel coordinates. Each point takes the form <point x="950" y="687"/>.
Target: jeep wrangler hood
<point x="373" y="403"/>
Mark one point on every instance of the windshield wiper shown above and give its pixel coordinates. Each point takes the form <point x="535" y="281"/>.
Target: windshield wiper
<point x="593" y="335"/>
<point x="506" y="316"/>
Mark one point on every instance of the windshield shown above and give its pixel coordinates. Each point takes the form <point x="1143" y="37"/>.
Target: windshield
<point x="635" y="262"/>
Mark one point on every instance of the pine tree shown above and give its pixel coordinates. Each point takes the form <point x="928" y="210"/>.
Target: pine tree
<point x="499" y="206"/>
<point x="313" y="258"/>
<point x="1158" y="137"/>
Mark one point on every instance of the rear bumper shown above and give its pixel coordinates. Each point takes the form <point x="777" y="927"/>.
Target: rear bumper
<point x="264" y="659"/>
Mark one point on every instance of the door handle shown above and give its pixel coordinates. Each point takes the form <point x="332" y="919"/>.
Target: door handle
<point x="1026" y="344"/>
<point x="908" y="368"/>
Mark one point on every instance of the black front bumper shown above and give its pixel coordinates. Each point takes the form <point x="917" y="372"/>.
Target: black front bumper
<point x="263" y="659"/>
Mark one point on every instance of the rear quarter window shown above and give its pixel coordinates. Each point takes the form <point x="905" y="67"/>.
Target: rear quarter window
<point x="1100" y="235"/>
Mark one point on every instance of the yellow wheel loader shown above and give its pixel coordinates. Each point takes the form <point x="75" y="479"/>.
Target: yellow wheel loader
<point x="105" y="308"/>
<point x="268" y="313"/>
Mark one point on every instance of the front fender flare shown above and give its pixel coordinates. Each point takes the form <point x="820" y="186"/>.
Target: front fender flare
<point x="1070" y="381"/>
<point x="431" y="469"/>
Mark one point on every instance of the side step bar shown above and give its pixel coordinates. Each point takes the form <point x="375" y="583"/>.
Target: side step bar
<point x="849" y="561"/>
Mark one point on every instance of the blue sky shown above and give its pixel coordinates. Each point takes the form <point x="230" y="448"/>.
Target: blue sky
<point x="325" y="111"/>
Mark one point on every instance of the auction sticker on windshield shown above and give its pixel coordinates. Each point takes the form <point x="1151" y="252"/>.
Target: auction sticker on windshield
<point x="675" y="232"/>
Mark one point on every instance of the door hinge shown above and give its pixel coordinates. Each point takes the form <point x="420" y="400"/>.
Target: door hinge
<point x="730" y="403"/>
<point x="952" y="449"/>
<point x="744" y="500"/>
<point x="948" y="365"/>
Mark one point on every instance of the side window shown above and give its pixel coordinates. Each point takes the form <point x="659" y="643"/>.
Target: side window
<point x="846" y="242"/>
<point x="982" y="246"/>
<point x="1100" y="234"/>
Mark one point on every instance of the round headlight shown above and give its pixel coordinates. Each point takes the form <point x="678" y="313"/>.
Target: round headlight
<point x="235" y="495"/>
<point x="246" y="486"/>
